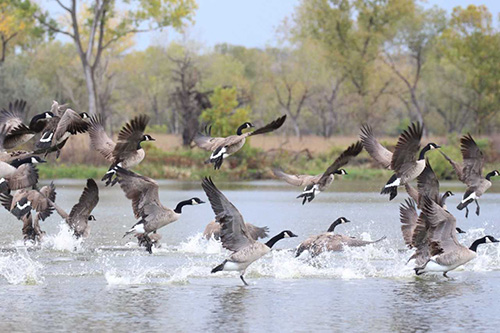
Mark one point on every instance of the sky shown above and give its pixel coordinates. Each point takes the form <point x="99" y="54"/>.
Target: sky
<point x="251" y="23"/>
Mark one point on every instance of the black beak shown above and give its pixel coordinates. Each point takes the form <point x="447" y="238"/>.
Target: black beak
<point x="42" y="161"/>
<point x="347" y="220"/>
<point x="201" y="202"/>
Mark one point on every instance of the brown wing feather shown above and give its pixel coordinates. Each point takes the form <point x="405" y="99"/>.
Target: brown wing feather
<point x="378" y="152"/>
<point x="407" y="147"/>
<point x="87" y="202"/>
<point x="344" y="158"/>
<point x="99" y="140"/>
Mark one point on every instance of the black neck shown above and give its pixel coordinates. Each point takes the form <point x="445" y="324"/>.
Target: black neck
<point x="443" y="199"/>
<point x="422" y="153"/>
<point x="332" y="227"/>
<point x="18" y="162"/>
<point x="178" y="208"/>
<point x="489" y="175"/>
<point x="240" y="129"/>
<point x="270" y="243"/>
<point x="474" y="245"/>
<point x="139" y="145"/>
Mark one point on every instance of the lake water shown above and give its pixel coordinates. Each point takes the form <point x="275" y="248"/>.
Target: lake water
<point x="106" y="283"/>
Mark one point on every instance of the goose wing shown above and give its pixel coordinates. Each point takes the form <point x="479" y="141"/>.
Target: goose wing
<point x="272" y="126"/>
<point x="442" y="228"/>
<point x="143" y="191"/>
<point x="40" y="204"/>
<point x="70" y="122"/>
<point x="234" y="233"/>
<point x="408" y="145"/>
<point x="473" y="160"/>
<point x="13" y="117"/>
<point x="344" y="158"/>
<point x="204" y="140"/>
<point x="87" y="202"/>
<point x="378" y="152"/>
<point x="428" y="184"/>
<point x="25" y="176"/>
<point x="257" y="232"/>
<point x="99" y="140"/>
<point x="408" y="217"/>
<point x="130" y="136"/>
<point x="296" y="180"/>
<point x="18" y="135"/>
<point x="456" y="166"/>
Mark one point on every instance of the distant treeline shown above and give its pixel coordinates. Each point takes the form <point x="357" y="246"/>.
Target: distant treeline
<point x="340" y="64"/>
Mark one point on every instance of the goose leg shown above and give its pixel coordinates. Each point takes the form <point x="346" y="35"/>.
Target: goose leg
<point x="242" y="279"/>
<point x="477" y="207"/>
<point x="446" y="276"/>
<point x="466" y="212"/>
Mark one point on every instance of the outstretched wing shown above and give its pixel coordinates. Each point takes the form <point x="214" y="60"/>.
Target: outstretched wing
<point x="272" y="126"/>
<point x="88" y="201"/>
<point x="473" y="159"/>
<point x="378" y="152"/>
<point x="234" y="233"/>
<point x="143" y="191"/>
<point x="407" y="147"/>
<point x="70" y="122"/>
<point x="99" y="140"/>
<point x="130" y="136"/>
<point x="344" y="158"/>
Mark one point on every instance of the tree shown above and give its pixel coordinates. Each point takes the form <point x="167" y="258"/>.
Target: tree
<point x="106" y="24"/>
<point x="471" y="44"/>
<point x="17" y="25"/>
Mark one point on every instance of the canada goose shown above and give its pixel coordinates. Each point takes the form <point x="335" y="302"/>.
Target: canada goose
<point x="128" y="152"/>
<point x="60" y="127"/>
<point x="213" y="230"/>
<point x="443" y="252"/>
<point x="315" y="187"/>
<point x="224" y="147"/>
<point x="428" y="185"/>
<point x="17" y="132"/>
<point x="470" y="173"/>
<point x="24" y="201"/>
<point x="329" y="241"/>
<point x="80" y="214"/>
<point x="19" y="174"/>
<point x="406" y="167"/>
<point x="234" y="234"/>
<point x="143" y="192"/>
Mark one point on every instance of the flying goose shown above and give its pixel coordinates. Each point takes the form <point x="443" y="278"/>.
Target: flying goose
<point x="60" y="127"/>
<point x="17" y="132"/>
<point x="437" y="246"/>
<point x="224" y="147"/>
<point x="234" y="234"/>
<point x="329" y="241"/>
<point x="404" y="164"/>
<point x="19" y="174"/>
<point x="143" y="191"/>
<point x="315" y="186"/>
<point x="213" y="230"/>
<point x="127" y="152"/>
<point x="21" y="203"/>
<point x="428" y="185"/>
<point x="470" y="173"/>
<point x="80" y="214"/>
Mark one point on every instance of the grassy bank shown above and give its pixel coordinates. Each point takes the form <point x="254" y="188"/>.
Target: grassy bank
<point x="251" y="163"/>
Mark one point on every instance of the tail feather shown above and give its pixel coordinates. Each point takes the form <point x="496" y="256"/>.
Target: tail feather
<point x="219" y="267"/>
<point x="393" y="191"/>
<point x="463" y="205"/>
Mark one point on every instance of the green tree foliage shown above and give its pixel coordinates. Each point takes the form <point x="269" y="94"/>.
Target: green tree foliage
<point x="225" y="115"/>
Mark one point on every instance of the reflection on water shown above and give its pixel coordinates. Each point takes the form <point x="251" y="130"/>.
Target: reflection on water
<point x="108" y="284"/>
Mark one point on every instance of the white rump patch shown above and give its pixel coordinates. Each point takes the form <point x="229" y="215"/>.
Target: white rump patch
<point x="138" y="228"/>
<point x="2" y="180"/>
<point x="220" y="153"/>
<point x="472" y="196"/>
<point x="27" y="204"/>
<point x="46" y="138"/>
<point x="397" y="182"/>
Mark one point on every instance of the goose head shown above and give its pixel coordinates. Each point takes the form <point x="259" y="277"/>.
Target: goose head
<point x="243" y="126"/>
<point x="448" y="194"/>
<point x="46" y="115"/>
<point x="341" y="172"/>
<point x="490" y="239"/>
<point x="147" y="137"/>
<point x="460" y="231"/>
<point x="287" y="234"/>
<point x="91" y="218"/>
<point x="432" y="145"/>
<point x="493" y="173"/>
<point x="340" y="220"/>
<point x="36" y="160"/>
<point x="84" y="115"/>
<point x="196" y="201"/>
<point x="429" y="146"/>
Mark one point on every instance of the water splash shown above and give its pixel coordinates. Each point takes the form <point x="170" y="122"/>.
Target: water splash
<point x="199" y="244"/>
<point x="20" y="268"/>
<point x="64" y="240"/>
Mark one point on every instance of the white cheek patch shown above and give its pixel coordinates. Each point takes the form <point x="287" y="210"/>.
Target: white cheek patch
<point x="287" y="235"/>
<point x="488" y="240"/>
<point x="2" y="180"/>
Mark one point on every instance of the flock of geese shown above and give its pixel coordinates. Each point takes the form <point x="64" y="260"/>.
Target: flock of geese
<point x="431" y="233"/>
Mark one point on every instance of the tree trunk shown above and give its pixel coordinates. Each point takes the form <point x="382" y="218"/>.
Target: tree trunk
<point x="91" y="89"/>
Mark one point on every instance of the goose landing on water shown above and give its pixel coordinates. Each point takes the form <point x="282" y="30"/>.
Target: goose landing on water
<point x="234" y="233"/>
<point x="329" y="241"/>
